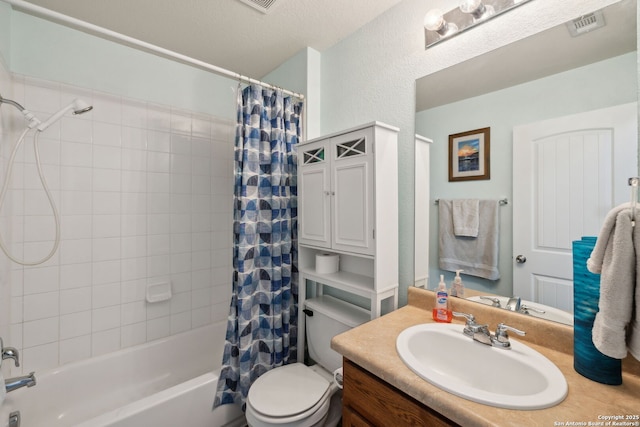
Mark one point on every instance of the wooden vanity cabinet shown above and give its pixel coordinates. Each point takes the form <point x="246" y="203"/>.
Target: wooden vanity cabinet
<point x="368" y="401"/>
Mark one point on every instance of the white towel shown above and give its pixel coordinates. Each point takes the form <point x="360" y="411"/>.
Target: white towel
<point x="476" y="256"/>
<point x="614" y="256"/>
<point x="466" y="216"/>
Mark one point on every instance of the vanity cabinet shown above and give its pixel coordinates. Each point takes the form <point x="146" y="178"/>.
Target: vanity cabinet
<point x="348" y="205"/>
<point x="367" y="401"/>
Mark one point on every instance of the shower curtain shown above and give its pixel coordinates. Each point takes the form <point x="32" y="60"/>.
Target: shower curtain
<point x="262" y="322"/>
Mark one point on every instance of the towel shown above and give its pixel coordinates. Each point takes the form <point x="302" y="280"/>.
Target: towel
<point x="466" y="217"/>
<point x="476" y="256"/>
<point x="616" y="329"/>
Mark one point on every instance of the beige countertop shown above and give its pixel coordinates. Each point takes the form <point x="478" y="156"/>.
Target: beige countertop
<point x="372" y="346"/>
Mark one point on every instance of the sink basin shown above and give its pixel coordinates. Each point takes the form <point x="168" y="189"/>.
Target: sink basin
<point x="550" y="313"/>
<point x="519" y="378"/>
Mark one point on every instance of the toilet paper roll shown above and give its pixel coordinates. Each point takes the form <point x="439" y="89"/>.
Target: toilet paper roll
<point x="337" y="377"/>
<point x="327" y="263"/>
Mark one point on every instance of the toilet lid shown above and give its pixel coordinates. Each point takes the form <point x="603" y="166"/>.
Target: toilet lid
<point x="287" y="390"/>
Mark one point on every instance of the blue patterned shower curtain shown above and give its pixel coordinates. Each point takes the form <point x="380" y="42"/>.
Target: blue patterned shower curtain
<point x="262" y="323"/>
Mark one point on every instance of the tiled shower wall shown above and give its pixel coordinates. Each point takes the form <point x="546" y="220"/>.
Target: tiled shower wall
<point x="144" y="193"/>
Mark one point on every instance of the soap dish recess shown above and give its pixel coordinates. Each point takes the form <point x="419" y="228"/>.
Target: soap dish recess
<point x="157" y="292"/>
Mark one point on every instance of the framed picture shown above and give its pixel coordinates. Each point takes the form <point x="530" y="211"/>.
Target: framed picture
<point x="469" y="155"/>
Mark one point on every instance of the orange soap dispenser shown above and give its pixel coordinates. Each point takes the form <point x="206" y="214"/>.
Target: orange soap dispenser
<point x="441" y="312"/>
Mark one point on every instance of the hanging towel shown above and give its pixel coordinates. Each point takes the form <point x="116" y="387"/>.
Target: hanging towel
<point x="466" y="217"/>
<point x="476" y="256"/>
<point x="615" y="330"/>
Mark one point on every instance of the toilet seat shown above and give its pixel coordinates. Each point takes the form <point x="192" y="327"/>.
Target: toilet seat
<point x="289" y="393"/>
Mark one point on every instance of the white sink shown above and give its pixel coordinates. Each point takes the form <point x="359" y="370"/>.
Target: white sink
<point x="519" y="378"/>
<point x="550" y="313"/>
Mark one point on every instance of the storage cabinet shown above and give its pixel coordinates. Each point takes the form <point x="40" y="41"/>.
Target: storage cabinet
<point x="369" y="401"/>
<point x="348" y="205"/>
<point x="336" y="193"/>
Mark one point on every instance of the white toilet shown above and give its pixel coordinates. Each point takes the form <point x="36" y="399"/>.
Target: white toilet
<point x="306" y="396"/>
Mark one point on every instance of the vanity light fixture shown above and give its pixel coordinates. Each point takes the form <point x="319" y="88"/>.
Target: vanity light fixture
<point x="439" y="26"/>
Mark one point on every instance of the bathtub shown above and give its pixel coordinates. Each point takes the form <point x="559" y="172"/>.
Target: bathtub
<point x="168" y="382"/>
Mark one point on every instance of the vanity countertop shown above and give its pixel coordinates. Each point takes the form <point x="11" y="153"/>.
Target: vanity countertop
<point x="373" y="347"/>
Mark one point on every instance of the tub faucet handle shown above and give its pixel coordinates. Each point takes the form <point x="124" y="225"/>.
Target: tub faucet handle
<point x="9" y="353"/>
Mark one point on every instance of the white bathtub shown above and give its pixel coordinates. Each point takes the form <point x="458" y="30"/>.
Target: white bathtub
<point x="168" y="382"/>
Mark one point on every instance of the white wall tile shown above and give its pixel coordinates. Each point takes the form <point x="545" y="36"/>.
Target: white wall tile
<point x="74" y="349"/>
<point x="105" y="318"/>
<point x="140" y="189"/>
<point x="133" y="334"/>
<point x="40" y="358"/>
<point x="38" y="280"/>
<point x="134" y="138"/>
<point x="41" y="306"/>
<point x="107" y="157"/>
<point x="75" y="300"/>
<point x="105" y="342"/>
<point x="75" y="325"/>
<point x="158" y="328"/>
<point x="107" y="180"/>
<point x="75" y="251"/>
<point x="106" y="295"/>
<point x="107" y="134"/>
<point x="38" y="332"/>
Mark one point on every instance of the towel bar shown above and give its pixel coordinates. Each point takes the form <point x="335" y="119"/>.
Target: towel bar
<point x="504" y="201"/>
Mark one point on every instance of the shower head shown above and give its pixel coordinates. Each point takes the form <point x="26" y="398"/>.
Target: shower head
<point x="78" y="106"/>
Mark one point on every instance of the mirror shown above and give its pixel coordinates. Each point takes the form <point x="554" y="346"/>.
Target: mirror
<point x="548" y="75"/>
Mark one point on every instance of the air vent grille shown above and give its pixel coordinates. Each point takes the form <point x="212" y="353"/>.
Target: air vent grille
<point x="262" y="5"/>
<point x="586" y="23"/>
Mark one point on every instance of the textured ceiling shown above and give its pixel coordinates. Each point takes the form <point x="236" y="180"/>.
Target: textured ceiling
<point x="228" y="33"/>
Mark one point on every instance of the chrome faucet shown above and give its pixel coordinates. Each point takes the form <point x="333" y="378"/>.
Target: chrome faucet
<point x="482" y="334"/>
<point x="15" y="383"/>
<point x="513" y="304"/>
<point x="474" y="330"/>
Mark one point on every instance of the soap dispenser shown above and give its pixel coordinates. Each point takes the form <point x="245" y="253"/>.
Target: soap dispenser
<point x="457" y="288"/>
<point x="441" y="312"/>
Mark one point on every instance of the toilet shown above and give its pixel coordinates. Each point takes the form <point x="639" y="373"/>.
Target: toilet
<point x="300" y="395"/>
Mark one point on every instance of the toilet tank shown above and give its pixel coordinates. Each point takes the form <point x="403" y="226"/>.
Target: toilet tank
<point x="331" y="317"/>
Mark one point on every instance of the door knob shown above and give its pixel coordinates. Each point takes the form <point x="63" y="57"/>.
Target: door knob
<point x="521" y="259"/>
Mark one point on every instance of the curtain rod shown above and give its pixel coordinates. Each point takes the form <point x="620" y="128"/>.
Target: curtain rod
<point x="33" y="9"/>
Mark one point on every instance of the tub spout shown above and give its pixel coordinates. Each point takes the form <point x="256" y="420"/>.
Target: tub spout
<point x="15" y="383"/>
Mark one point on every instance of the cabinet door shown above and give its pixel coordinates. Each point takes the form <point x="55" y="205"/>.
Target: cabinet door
<point x="314" y="191"/>
<point x="352" y="169"/>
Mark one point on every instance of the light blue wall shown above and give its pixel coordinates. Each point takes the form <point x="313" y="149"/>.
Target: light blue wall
<point x="5" y="34"/>
<point x="301" y="74"/>
<point x="46" y="50"/>
<point x="371" y="76"/>
<point x="599" y="85"/>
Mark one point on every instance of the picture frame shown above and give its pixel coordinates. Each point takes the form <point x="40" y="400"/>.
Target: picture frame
<point x="469" y="155"/>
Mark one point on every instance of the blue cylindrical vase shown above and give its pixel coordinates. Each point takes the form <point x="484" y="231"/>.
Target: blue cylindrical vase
<point x="587" y="360"/>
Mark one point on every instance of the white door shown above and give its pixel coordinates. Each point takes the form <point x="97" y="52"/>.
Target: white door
<point x="314" y="190"/>
<point x="353" y="186"/>
<point x="568" y="172"/>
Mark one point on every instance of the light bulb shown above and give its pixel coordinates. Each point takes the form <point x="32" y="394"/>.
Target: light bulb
<point x="434" y="20"/>
<point x="476" y="8"/>
<point x="470" y="6"/>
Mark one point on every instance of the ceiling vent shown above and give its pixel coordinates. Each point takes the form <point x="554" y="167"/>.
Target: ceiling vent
<point x="586" y="23"/>
<point x="263" y="6"/>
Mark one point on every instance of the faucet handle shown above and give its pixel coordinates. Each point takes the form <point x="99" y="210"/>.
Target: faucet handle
<point x="501" y="338"/>
<point x="470" y="317"/>
<point x="9" y="353"/>
<point x="495" y="302"/>
<point x="470" y="327"/>
<point x="526" y="309"/>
